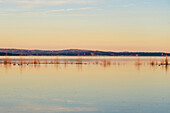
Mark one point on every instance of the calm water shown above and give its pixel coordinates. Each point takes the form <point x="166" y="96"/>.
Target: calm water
<point x="122" y="87"/>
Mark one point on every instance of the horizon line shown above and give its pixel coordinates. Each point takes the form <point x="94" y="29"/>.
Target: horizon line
<point x="82" y="49"/>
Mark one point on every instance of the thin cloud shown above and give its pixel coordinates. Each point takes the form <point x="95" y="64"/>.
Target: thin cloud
<point x="47" y="108"/>
<point x="29" y="7"/>
<point x="127" y="5"/>
<point x="51" y="2"/>
<point x="72" y="9"/>
<point x="46" y="12"/>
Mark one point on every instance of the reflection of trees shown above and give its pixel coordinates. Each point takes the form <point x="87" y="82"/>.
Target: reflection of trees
<point x="166" y="68"/>
<point x="7" y="67"/>
<point x="79" y="67"/>
<point x="138" y="67"/>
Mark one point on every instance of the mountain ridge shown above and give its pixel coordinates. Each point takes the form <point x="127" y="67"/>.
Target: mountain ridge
<point x="75" y="52"/>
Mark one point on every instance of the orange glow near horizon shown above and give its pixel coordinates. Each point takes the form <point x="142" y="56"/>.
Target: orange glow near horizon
<point x="119" y="28"/>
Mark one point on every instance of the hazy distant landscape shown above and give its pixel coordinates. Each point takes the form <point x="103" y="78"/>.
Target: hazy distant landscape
<point x="75" y="52"/>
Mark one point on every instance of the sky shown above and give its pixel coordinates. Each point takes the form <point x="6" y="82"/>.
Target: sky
<point x="110" y="25"/>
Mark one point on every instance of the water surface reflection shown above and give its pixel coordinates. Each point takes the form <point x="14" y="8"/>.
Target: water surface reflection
<point x="89" y="88"/>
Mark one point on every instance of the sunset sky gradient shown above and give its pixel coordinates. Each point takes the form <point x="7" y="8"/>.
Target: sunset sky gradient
<point x="114" y="25"/>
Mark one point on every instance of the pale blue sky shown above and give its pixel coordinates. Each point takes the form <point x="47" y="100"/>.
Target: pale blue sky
<point x="98" y="7"/>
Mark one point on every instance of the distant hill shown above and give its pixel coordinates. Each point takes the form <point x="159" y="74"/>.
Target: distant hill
<point x="9" y="54"/>
<point x="75" y="52"/>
